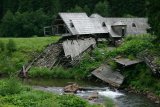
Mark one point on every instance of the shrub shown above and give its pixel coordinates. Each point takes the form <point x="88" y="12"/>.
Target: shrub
<point x="56" y="72"/>
<point x="2" y="46"/>
<point x="71" y="101"/>
<point x="11" y="46"/>
<point x="9" y="87"/>
<point x="109" y="102"/>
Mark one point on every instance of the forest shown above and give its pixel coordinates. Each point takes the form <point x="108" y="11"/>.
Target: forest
<point x="25" y="18"/>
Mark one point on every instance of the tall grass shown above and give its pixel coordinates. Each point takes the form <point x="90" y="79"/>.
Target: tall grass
<point x="15" y="52"/>
<point x="15" y="94"/>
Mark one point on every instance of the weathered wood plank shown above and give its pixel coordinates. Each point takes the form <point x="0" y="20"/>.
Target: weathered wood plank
<point x="106" y="74"/>
<point x="126" y="61"/>
<point x="74" y="48"/>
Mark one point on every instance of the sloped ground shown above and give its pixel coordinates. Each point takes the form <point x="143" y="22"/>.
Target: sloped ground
<point x="49" y="56"/>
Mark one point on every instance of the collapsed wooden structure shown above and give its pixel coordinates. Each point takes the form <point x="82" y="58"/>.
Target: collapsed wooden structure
<point x="80" y="33"/>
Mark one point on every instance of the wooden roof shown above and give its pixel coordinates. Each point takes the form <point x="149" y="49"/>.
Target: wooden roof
<point x="82" y="24"/>
<point x="106" y="74"/>
<point x="126" y="61"/>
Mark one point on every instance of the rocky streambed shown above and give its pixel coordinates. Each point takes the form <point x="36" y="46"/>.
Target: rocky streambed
<point x="101" y="91"/>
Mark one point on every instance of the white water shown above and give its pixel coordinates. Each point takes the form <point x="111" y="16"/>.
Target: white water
<point x="110" y="94"/>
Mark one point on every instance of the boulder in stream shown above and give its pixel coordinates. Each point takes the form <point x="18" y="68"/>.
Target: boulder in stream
<point x="93" y="96"/>
<point x="71" y="88"/>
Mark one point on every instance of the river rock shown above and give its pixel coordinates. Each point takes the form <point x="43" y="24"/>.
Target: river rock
<point x="93" y="96"/>
<point x="71" y="88"/>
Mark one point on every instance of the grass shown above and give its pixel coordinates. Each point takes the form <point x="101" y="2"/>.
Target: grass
<point x="26" y="50"/>
<point x="34" y="44"/>
<point x="109" y="102"/>
<point x="24" y="96"/>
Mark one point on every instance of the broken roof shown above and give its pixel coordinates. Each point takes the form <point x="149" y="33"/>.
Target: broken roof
<point x="107" y="74"/>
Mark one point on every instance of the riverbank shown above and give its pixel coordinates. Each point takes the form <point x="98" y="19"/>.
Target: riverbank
<point x="140" y="76"/>
<point x="15" y="94"/>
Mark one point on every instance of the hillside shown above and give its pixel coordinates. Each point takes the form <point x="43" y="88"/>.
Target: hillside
<point x="25" y="50"/>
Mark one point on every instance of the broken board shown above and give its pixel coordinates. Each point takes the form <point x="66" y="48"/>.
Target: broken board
<point x="74" y="48"/>
<point x="126" y="61"/>
<point x="106" y="74"/>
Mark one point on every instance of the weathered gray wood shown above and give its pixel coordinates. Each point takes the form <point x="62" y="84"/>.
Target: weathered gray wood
<point x="106" y="74"/>
<point x="82" y="24"/>
<point x="74" y="48"/>
<point x="126" y="61"/>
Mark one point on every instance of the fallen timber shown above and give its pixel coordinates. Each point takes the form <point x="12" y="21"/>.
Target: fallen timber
<point x="150" y="61"/>
<point x="47" y="58"/>
<point x="126" y="62"/>
<point x="154" y="68"/>
<point x="106" y="74"/>
<point x="67" y="52"/>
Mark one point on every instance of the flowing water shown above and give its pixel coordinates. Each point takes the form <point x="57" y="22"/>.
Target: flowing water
<point x="122" y="99"/>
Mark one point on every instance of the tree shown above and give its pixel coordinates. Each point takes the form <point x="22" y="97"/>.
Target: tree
<point x="76" y="9"/>
<point x="102" y="8"/>
<point x="7" y="24"/>
<point x="87" y="10"/>
<point x="24" y="24"/>
<point x="154" y="16"/>
<point x="120" y="8"/>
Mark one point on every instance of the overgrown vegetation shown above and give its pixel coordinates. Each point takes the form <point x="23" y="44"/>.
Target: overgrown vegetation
<point x="14" y="94"/>
<point x="15" y="52"/>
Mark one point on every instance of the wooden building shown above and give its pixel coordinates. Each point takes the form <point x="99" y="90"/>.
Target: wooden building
<point x="79" y="24"/>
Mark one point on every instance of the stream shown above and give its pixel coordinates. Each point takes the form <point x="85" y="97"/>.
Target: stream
<point x="122" y="99"/>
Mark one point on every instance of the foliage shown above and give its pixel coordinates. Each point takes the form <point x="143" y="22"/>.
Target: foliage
<point x="140" y="77"/>
<point x="2" y="46"/>
<point x="16" y="94"/>
<point x="80" y="71"/>
<point x="11" y="46"/>
<point x="133" y="7"/>
<point x="25" y="49"/>
<point x="154" y="16"/>
<point x="56" y="72"/>
<point x="102" y="8"/>
<point x="76" y="9"/>
<point x="9" y="87"/>
<point x="24" y="24"/>
<point x="109" y="102"/>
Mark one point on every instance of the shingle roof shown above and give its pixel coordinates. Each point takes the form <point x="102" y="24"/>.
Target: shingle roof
<point x="141" y="24"/>
<point x="82" y="24"/>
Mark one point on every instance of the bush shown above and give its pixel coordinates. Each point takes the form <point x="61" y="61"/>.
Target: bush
<point x="11" y="46"/>
<point x="71" y="101"/>
<point x="2" y="46"/>
<point x="56" y="72"/>
<point x="24" y="24"/>
<point x="9" y="87"/>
